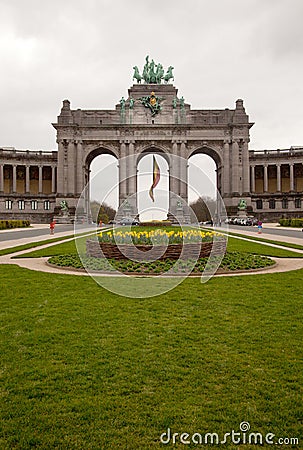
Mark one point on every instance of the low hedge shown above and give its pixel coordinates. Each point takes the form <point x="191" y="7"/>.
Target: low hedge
<point x="296" y="223"/>
<point x="232" y="261"/>
<point x="156" y="223"/>
<point x="6" y="224"/>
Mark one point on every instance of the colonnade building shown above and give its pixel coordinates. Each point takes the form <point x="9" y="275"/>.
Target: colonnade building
<point x="152" y="119"/>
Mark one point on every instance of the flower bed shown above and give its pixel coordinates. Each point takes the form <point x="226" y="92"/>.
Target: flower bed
<point x="148" y="252"/>
<point x="156" y="237"/>
<point x="144" y="245"/>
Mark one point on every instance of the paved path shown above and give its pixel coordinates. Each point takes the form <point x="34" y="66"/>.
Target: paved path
<point x="253" y="232"/>
<point x="21" y="236"/>
<point x="39" y="264"/>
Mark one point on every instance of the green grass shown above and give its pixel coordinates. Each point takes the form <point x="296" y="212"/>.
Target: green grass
<point x="19" y="248"/>
<point x="82" y="368"/>
<point x="59" y="249"/>
<point x="241" y="245"/>
<point x="269" y="241"/>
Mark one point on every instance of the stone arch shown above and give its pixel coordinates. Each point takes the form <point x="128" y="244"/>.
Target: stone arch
<point x="152" y="148"/>
<point x="210" y="151"/>
<point x="91" y="154"/>
<point x="88" y="158"/>
<point x="217" y="156"/>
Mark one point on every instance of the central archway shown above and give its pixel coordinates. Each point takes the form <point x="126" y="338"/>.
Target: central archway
<point x="159" y="208"/>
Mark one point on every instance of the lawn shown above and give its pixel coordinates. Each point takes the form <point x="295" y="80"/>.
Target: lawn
<point x="234" y="245"/>
<point x="86" y="369"/>
<point x="270" y="241"/>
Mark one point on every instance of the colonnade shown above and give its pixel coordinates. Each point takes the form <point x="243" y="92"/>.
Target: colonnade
<point x="265" y="167"/>
<point x="27" y="179"/>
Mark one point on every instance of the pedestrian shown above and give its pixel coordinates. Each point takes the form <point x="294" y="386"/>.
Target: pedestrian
<point x="100" y="223"/>
<point x="52" y="226"/>
<point x="259" y="227"/>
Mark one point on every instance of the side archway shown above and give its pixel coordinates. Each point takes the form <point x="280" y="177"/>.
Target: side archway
<point x="205" y="178"/>
<point x="101" y="177"/>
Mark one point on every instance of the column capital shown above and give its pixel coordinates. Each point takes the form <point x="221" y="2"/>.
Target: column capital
<point x="65" y="142"/>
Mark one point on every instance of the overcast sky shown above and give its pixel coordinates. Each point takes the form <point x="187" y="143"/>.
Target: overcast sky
<point x="85" y="51"/>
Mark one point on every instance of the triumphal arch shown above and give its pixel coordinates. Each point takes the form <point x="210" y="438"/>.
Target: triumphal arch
<point x="153" y="118"/>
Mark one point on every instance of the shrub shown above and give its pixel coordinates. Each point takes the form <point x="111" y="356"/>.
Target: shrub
<point x="7" y="224"/>
<point x="297" y="223"/>
<point x="156" y="223"/>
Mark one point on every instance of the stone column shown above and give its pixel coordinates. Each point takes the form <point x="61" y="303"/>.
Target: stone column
<point x="14" y="178"/>
<point x="132" y="169"/>
<point x="278" y="177"/>
<point x="1" y="178"/>
<point x="235" y="167"/>
<point x="27" y="180"/>
<point x="174" y="179"/>
<point x="71" y="164"/>
<point x="132" y="179"/>
<point x="174" y="170"/>
<point x="86" y="194"/>
<point x="80" y="168"/>
<point x="291" y="177"/>
<point x="245" y="169"/>
<point x="60" y="169"/>
<point x="53" y="179"/>
<point x="265" y="179"/>
<point x="40" y="181"/>
<point x="226" y="168"/>
<point x="183" y="172"/>
<point x="253" y="179"/>
<point x="122" y="173"/>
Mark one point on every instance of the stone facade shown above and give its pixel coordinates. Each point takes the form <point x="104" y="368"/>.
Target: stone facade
<point x="277" y="182"/>
<point x="27" y="184"/>
<point x="32" y="184"/>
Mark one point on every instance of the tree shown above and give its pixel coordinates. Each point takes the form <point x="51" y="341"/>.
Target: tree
<point x="204" y="208"/>
<point x="102" y="212"/>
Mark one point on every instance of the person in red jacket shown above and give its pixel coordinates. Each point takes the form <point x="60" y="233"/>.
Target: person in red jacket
<point x="52" y="226"/>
